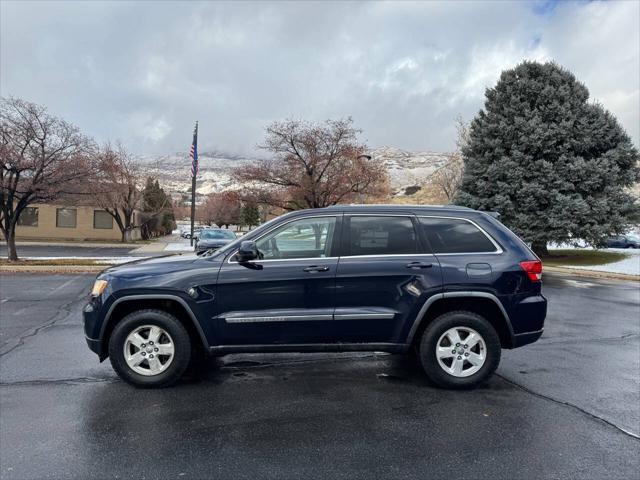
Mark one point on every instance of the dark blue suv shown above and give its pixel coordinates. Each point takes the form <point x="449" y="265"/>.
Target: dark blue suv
<point x="452" y="284"/>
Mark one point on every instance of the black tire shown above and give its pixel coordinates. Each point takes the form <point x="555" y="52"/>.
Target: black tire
<point x="179" y="336"/>
<point x="437" y="328"/>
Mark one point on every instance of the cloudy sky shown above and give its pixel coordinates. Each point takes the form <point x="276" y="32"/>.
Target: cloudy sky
<point x="143" y="72"/>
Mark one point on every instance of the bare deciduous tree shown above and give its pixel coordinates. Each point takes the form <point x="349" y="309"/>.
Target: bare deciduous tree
<point x="447" y="179"/>
<point x="313" y="165"/>
<point x="42" y="157"/>
<point x="116" y="187"/>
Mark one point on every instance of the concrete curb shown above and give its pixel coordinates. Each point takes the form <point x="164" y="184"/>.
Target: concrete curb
<point x="52" y="268"/>
<point x="579" y="272"/>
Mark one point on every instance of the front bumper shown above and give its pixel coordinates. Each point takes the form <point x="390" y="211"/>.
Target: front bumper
<point x="91" y="321"/>
<point x="95" y="345"/>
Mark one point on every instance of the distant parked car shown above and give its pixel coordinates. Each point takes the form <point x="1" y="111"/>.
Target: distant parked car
<point x="187" y="233"/>
<point x="624" y="241"/>
<point x="213" y="239"/>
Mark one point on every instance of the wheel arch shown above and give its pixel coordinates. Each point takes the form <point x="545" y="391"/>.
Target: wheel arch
<point x="483" y="303"/>
<point x="172" y="304"/>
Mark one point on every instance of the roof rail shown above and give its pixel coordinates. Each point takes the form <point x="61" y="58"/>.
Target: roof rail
<point x="495" y="215"/>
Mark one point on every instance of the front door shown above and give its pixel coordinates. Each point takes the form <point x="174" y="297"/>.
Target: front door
<point x="385" y="275"/>
<point x="287" y="296"/>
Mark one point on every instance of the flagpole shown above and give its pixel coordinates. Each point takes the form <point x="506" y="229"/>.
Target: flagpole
<point x="193" y="184"/>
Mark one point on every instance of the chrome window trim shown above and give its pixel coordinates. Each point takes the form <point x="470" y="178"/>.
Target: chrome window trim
<point x="497" y="251"/>
<point x="284" y="259"/>
<point x="389" y="255"/>
<point x="334" y="215"/>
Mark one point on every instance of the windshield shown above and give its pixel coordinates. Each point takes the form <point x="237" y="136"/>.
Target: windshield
<point x="635" y="238"/>
<point x="217" y="234"/>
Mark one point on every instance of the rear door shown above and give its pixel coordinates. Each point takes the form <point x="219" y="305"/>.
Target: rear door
<point x="385" y="275"/>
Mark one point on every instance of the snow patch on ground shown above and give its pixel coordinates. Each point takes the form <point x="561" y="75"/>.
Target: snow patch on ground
<point x="100" y="260"/>
<point x="629" y="265"/>
<point x="178" y="247"/>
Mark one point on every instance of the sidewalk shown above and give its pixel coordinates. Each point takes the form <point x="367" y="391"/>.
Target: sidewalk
<point x="156" y="245"/>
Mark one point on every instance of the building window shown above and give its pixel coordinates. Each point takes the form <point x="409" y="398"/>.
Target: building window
<point x="102" y="219"/>
<point x="66" y="217"/>
<point x="29" y="217"/>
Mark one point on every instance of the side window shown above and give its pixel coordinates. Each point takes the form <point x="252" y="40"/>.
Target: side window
<point x="451" y="235"/>
<point x="304" y="238"/>
<point x="381" y="236"/>
<point x="29" y="217"/>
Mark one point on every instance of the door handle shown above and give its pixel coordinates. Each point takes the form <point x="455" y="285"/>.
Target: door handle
<point x="315" y="268"/>
<point x="419" y="265"/>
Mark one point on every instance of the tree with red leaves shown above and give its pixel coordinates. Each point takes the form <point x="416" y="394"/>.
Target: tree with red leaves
<point x="221" y="209"/>
<point x="313" y="165"/>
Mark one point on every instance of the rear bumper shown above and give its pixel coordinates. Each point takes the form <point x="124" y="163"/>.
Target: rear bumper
<point x="528" y="315"/>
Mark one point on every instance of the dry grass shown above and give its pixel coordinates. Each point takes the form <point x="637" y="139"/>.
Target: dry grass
<point x="62" y="262"/>
<point x="582" y="258"/>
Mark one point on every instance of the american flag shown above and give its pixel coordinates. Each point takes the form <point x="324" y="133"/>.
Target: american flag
<point x="193" y="152"/>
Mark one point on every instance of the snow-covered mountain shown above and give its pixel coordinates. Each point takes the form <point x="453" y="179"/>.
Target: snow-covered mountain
<point x="405" y="169"/>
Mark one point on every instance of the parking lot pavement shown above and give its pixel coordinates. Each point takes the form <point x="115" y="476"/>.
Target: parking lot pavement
<point x="64" y="415"/>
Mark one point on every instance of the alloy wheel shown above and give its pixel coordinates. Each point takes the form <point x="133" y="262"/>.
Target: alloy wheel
<point x="461" y="351"/>
<point x="149" y="350"/>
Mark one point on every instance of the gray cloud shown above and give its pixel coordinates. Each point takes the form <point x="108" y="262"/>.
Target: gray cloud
<point x="142" y="72"/>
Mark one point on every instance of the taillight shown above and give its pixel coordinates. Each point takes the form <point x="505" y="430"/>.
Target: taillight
<point x="533" y="269"/>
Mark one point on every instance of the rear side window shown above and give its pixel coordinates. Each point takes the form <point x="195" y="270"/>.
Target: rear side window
<point x="370" y="235"/>
<point x="451" y="235"/>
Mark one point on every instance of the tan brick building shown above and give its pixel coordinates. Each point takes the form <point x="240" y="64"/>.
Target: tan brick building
<point x="68" y="222"/>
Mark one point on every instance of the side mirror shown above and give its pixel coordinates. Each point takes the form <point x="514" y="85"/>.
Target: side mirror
<point x="247" y="251"/>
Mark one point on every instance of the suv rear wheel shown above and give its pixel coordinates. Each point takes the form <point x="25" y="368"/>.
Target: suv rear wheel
<point x="459" y="350"/>
<point x="150" y="349"/>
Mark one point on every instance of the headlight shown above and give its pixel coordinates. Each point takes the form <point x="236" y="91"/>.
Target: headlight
<point x="98" y="287"/>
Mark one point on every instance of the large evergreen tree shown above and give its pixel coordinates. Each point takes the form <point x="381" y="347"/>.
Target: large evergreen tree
<point x="158" y="209"/>
<point x="556" y="166"/>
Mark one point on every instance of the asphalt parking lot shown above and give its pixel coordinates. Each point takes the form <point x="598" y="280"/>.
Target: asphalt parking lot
<point x="565" y="407"/>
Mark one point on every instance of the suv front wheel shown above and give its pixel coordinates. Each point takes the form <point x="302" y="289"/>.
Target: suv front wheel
<point x="150" y="349"/>
<point x="459" y="350"/>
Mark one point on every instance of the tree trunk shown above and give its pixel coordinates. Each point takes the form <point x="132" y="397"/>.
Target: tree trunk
<point x="317" y="232"/>
<point x="540" y="249"/>
<point x="10" y="237"/>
